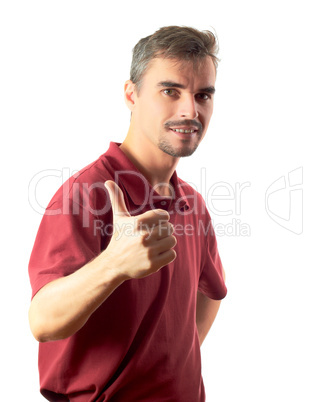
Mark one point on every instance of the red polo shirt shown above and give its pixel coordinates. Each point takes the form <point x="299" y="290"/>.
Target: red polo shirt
<point x="142" y="343"/>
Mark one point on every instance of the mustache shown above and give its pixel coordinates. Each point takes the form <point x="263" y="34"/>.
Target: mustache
<point x="187" y="122"/>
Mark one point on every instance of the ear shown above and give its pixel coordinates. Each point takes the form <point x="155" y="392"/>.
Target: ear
<point x="130" y="94"/>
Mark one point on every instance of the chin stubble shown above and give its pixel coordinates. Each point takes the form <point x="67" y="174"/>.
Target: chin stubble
<point x="165" y="145"/>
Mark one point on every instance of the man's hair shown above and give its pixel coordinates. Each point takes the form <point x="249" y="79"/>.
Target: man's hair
<point x="172" y="42"/>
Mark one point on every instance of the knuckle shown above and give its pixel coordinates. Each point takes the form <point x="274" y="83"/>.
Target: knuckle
<point x="154" y="267"/>
<point x="173" y="254"/>
<point x="138" y="223"/>
<point x="170" y="229"/>
<point x="174" y="240"/>
<point x="162" y="214"/>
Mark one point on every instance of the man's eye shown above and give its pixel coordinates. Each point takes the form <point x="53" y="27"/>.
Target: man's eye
<point x="170" y="92"/>
<point x="204" y="96"/>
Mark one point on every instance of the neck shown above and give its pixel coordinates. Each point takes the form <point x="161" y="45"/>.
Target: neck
<point x="156" y="166"/>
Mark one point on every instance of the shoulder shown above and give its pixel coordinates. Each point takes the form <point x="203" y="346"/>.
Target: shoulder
<point x="85" y="187"/>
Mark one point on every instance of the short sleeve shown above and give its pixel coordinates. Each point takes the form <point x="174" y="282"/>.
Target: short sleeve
<point x="69" y="236"/>
<point x="211" y="281"/>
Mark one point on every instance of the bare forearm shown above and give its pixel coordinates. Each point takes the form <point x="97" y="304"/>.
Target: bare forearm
<point x="206" y="312"/>
<point x="63" y="306"/>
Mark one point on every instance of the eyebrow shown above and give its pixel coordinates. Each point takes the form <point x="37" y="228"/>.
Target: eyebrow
<point x="171" y="84"/>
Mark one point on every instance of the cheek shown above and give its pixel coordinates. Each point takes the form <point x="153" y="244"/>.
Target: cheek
<point x="162" y="105"/>
<point x="153" y="113"/>
<point x="154" y="108"/>
<point x="206" y="116"/>
<point x="161" y="111"/>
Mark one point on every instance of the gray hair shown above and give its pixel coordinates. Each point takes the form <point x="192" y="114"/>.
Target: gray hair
<point x="172" y="42"/>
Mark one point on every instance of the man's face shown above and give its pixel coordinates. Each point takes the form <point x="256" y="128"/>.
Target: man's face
<point x="174" y="105"/>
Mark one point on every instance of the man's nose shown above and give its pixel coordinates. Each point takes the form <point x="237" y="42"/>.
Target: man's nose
<point x="188" y="107"/>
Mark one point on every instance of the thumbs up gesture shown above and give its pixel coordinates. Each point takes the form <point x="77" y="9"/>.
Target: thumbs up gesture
<point x="142" y="244"/>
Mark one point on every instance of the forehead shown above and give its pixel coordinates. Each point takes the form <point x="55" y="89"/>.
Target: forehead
<point x="199" y="74"/>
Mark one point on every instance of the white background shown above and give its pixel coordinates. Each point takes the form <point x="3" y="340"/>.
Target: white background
<point x="63" y="66"/>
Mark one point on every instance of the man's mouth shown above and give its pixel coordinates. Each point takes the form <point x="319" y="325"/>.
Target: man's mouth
<point x="185" y="130"/>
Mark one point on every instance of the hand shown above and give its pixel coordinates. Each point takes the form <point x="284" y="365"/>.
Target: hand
<point x="140" y="245"/>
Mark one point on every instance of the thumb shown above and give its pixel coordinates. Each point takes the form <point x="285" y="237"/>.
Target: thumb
<point x="119" y="208"/>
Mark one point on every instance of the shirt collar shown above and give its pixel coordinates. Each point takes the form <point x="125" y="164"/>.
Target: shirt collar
<point x="136" y="185"/>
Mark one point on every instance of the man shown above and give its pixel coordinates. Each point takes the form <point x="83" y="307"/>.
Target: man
<point x="125" y="270"/>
